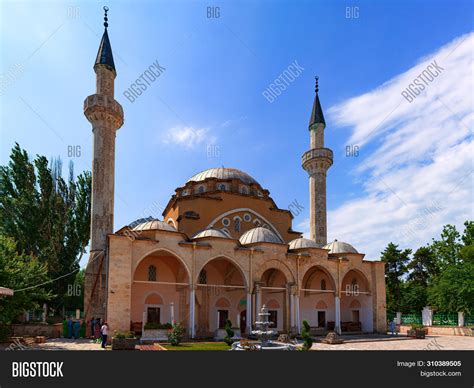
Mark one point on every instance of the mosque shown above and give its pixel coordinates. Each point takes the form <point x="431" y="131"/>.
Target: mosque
<point x="223" y="248"/>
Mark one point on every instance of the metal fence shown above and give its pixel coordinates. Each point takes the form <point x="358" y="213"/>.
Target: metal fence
<point x="469" y="320"/>
<point x="442" y="319"/>
<point x="410" y="319"/>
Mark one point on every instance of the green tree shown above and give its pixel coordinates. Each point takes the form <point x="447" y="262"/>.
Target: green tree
<point x="453" y="289"/>
<point x="446" y="250"/>
<point x="22" y="273"/>
<point x="468" y="234"/>
<point x="422" y="266"/>
<point x="395" y="268"/>
<point x="46" y="216"/>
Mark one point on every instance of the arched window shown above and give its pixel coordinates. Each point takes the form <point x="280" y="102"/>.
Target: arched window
<point x="203" y="277"/>
<point x="354" y="282"/>
<point x="201" y="189"/>
<point x="244" y="190"/>
<point x="237" y="224"/>
<point x="152" y="273"/>
<point x="222" y="187"/>
<point x="323" y="284"/>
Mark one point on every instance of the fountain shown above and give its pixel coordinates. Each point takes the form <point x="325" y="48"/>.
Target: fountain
<point x="264" y="336"/>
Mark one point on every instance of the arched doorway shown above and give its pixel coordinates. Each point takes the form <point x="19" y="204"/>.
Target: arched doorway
<point x="272" y="291"/>
<point x="160" y="290"/>
<point x="317" y="299"/>
<point x="356" y="303"/>
<point x="219" y="290"/>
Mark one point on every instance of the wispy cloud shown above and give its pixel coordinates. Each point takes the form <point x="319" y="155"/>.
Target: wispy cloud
<point x="189" y="137"/>
<point x="416" y="158"/>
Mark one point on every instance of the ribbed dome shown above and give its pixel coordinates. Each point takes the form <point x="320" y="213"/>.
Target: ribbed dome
<point x="259" y="234"/>
<point x="155" y="224"/>
<point x="210" y="233"/>
<point x="340" y="247"/>
<point x="301" y="243"/>
<point x="222" y="173"/>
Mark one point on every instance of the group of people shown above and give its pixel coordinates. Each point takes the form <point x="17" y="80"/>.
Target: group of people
<point x="73" y="328"/>
<point x="98" y="329"/>
<point x="95" y="329"/>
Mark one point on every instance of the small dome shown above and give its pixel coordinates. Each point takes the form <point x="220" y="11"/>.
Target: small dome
<point x="222" y="173"/>
<point x="210" y="233"/>
<point x="340" y="247"/>
<point x="259" y="234"/>
<point x="153" y="225"/>
<point x="302" y="243"/>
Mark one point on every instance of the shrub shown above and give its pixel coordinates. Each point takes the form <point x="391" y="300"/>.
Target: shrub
<point x="307" y="340"/>
<point x="175" y="336"/>
<point x="5" y="332"/>
<point x="123" y="334"/>
<point x="416" y="326"/>
<point x="158" y="326"/>
<point x="230" y="333"/>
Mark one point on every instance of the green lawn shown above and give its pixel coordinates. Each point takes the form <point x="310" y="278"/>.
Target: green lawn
<point x="198" y="346"/>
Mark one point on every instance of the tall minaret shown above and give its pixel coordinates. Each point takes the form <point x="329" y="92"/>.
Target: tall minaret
<point x="106" y="116"/>
<point x="316" y="162"/>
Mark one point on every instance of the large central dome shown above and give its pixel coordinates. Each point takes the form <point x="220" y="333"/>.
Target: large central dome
<point x="222" y="173"/>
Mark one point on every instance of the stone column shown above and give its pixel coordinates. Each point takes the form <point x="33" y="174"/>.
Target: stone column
<point x="460" y="319"/>
<point x="192" y="304"/>
<point x="288" y="307"/>
<point x="297" y="313"/>
<point x="249" y="312"/>
<point x="258" y="296"/>
<point x="172" y="312"/>
<point x="337" y="323"/>
<point x="427" y="316"/>
<point x="398" y="320"/>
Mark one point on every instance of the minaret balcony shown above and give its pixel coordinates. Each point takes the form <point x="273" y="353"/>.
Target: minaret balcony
<point x="317" y="159"/>
<point x="99" y="107"/>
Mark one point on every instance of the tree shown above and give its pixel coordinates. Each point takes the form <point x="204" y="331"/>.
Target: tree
<point x="305" y="334"/>
<point x="19" y="271"/>
<point x="422" y="266"/>
<point x="468" y="234"/>
<point x="46" y="216"/>
<point x="453" y="289"/>
<point x="395" y="268"/>
<point x="446" y="250"/>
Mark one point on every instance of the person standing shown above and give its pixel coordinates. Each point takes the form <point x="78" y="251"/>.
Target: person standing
<point x="92" y="327"/>
<point x="69" y="327"/>
<point x="104" y="330"/>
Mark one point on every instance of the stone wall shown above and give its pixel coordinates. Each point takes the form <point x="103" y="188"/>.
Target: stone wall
<point x="33" y="330"/>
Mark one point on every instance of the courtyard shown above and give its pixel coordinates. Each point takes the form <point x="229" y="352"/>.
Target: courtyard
<point x="351" y="342"/>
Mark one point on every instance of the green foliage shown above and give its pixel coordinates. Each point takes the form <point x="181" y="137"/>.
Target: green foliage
<point x="5" y="332"/>
<point x="440" y="275"/>
<point x="82" y="331"/>
<point x="395" y="268"/>
<point x="18" y="271"/>
<point x="305" y="333"/>
<point x="175" y="336"/>
<point x="46" y="216"/>
<point x="230" y="333"/>
<point x="158" y="326"/>
<point x="65" y="331"/>
<point x="123" y="334"/>
<point x="453" y="289"/>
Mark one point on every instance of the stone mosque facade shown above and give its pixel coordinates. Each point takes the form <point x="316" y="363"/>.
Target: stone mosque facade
<point x="223" y="248"/>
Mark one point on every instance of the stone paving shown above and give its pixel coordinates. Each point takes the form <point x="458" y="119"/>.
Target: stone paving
<point x="354" y="342"/>
<point x="401" y="342"/>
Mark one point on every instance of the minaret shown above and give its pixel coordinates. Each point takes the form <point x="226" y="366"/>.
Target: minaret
<point x="106" y="116"/>
<point x="316" y="162"/>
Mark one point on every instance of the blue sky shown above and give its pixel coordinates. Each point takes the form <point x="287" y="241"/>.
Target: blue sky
<point x="413" y="172"/>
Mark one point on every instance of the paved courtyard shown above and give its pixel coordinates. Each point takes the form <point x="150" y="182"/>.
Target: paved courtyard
<point x="367" y="342"/>
<point x="399" y="343"/>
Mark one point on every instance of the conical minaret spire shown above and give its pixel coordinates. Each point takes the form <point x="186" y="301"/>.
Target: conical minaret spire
<point x="316" y="162"/>
<point x="106" y="116"/>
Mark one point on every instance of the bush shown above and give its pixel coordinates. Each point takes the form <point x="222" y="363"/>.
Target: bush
<point x="416" y="326"/>
<point x="5" y="332"/>
<point x="158" y="326"/>
<point x="230" y="333"/>
<point x="123" y="334"/>
<point x="175" y="336"/>
<point x="307" y="340"/>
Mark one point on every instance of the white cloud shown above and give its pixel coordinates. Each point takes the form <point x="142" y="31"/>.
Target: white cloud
<point x="420" y="174"/>
<point x="188" y="137"/>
